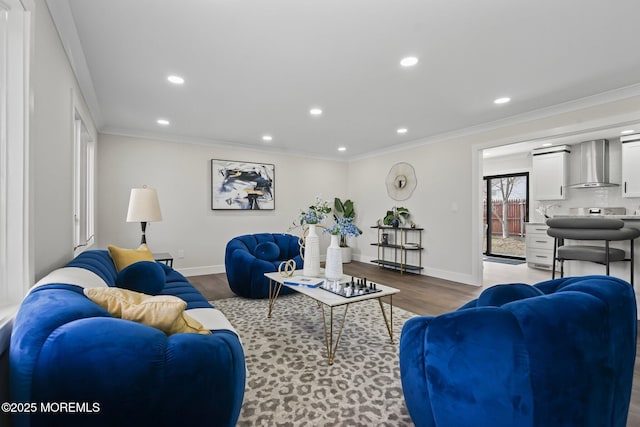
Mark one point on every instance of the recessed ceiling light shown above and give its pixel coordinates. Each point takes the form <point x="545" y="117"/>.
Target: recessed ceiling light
<point x="502" y="100"/>
<point x="342" y="148"/>
<point x="547" y="144"/>
<point x="401" y="130"/>
<point x="163" y="122"/>
<point x="177" y="80"/>
<point x="267" y="138"/>
<point x="315" y="111"/>
<point x="627" y="132"/>
<point x="409" y="61"/>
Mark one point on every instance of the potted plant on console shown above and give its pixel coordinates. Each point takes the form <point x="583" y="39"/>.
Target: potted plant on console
<point x="396" y="216"/>
<point x="344" y="210"/>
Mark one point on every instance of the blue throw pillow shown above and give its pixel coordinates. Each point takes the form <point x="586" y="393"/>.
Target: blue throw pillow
<point x="146" y="277"/>
<point x="267" y="251"/>
<point x="499" y="295"/>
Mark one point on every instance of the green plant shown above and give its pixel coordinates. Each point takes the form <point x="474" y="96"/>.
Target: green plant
<point x="395" y="216"/>
<point x="344" y="210"/>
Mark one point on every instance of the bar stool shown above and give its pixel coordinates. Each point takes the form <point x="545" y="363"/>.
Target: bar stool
<point x="589" y="228"/>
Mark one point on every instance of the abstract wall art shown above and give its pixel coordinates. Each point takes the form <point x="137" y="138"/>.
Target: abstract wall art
<point x="238" y="185"/>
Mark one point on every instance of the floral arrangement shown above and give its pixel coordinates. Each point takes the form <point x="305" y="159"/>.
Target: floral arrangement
<point x="344" y="227"/>
<point x="315" y="214"/>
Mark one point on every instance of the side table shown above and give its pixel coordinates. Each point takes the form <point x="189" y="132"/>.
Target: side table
<point x="165" y="257"/>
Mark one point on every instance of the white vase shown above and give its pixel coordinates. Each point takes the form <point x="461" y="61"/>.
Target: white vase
<point x="311" y="266"/>
<point x="346" y="254"/>
<point x="333" y="264"/>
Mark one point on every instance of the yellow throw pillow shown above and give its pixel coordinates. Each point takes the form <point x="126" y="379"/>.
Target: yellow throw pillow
<point x="164" y="312"/>
<point x="122" y="258"/>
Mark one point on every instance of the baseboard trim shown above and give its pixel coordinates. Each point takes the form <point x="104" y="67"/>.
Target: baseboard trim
<point x="466" y="279"/>
<point x="201" y="271"/>
<point x="210" y="269"/>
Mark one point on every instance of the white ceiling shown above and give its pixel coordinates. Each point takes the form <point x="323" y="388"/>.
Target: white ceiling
<point x="255" y="67"/>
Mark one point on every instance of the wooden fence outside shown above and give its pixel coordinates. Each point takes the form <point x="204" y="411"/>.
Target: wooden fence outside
<point x="516" y="217"/>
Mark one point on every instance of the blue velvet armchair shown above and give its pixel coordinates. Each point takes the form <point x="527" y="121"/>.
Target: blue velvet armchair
<point x="559" y="353"/>
<point x="248" y="257"/>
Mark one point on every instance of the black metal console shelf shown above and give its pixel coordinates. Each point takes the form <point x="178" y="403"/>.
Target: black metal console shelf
<point x="395" y="245"/>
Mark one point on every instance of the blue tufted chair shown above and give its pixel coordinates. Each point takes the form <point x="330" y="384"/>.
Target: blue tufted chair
<point x="559" y="353"/>
<point x="248" y="257"/>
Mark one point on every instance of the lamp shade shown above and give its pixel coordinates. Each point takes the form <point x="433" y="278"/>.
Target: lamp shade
<point x="144" y="205"/>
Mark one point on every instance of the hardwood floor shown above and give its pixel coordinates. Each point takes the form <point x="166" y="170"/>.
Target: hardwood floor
<point x="428" y="295"/>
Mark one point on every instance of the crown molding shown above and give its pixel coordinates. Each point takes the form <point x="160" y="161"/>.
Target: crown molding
<point x="62" y="17"/>
<point x="181" y="139"/>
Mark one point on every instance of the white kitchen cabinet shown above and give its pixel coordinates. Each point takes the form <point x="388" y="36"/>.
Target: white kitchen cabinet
<point x="630" y="165"/>
<point x="550" y="172"/>
<point x="539" y="246"/>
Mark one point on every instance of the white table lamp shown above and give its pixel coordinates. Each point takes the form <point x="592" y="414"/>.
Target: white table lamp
<point x="144" y="207"/>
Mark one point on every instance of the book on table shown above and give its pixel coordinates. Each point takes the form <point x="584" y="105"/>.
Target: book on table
<point x="310" y="282"/>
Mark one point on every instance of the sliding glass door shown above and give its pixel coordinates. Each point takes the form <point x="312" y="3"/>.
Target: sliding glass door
<point x="506" y="203"/>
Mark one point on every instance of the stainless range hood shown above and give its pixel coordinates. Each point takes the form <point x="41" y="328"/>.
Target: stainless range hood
<point x="594" y="165"/>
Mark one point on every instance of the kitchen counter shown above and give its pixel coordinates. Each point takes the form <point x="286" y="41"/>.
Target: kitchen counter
<point x="623" y="217"/>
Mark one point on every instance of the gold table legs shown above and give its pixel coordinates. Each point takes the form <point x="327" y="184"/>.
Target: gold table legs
<point x="388" y="323"/>
<point x="328" y="337"/>
<point x="274" y="291"/>
<point x="328" y="326"/>
<point x="332" y="347"/>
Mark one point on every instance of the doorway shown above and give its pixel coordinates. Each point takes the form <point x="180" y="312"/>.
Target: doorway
<point x="506" y="210"/>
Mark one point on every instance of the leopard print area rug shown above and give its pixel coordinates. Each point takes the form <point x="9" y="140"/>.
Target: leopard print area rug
<point x="289" y="380"/>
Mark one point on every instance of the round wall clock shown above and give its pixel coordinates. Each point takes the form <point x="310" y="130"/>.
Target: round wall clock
<point x="401" y="181"/>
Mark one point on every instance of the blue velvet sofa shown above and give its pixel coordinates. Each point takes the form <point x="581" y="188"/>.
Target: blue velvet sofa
<point x="67" y="349"/>
<point x="248" y="257"/>
<point x="559" y="353"/>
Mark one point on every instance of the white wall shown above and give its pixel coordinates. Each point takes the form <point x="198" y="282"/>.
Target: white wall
<point x="181" y="173"/>
<point x="441" y="204"/>
<point x="51" y="139"/>
<point x="515" y="163"/>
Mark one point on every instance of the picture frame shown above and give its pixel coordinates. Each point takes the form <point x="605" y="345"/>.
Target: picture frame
<point x="240" y="185"/>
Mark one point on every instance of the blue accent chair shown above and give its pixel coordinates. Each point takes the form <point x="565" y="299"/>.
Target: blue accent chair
<point x="65" y="348"/>
<point x="248" y="257"/>
<point x="559" y="353"/>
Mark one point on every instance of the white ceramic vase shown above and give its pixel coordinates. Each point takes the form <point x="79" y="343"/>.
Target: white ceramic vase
<point x="346" y="254"/>
<point x="311" y="266"/>
<point x="333" y="264"/>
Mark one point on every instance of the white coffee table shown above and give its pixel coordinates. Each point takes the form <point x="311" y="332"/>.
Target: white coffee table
<point x="332" y="300"/>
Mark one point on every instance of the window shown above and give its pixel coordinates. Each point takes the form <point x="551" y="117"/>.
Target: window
<point x="15" y="272"/>
<point x="84" y="186"/>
